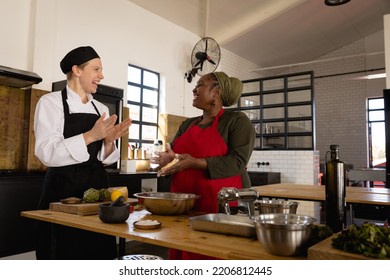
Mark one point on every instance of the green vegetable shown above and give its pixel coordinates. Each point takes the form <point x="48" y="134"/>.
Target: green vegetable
<point x="91" y="195"/>
<point x="368" y="239"/>
<point x="104" y="195"/>
<point x="319" y="233"/>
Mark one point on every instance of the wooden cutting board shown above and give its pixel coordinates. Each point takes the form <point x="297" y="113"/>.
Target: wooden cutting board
<point x="83" y="208"/>
<point x="324" y="251"/>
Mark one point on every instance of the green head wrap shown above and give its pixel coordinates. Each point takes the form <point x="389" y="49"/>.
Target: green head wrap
<point x="231" y="88"/>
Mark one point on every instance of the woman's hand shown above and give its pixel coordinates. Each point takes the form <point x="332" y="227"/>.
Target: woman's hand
<point x="163" y="158"/>
<point x="182" y="161"/>
<point x="118" y="131"/>
<point x="101" y="129"/>
<point x="107" y="130"/>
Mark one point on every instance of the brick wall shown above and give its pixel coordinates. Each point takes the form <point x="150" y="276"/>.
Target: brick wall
<point x="341" y="105"/>
<point x="340" y="102"/>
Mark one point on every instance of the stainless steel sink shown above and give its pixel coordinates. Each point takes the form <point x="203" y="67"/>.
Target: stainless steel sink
<point x="239" y="225"/>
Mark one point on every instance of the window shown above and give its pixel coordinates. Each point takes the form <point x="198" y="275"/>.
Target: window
<point x="143" y="92"/>
<point x="281" y="109"/>
<point x="376" y="132"/>
<point x="376" y="135"/>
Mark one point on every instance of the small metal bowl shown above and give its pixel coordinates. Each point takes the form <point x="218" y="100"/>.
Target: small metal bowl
<point x="276" y="206"/>
<point x="167" y="203"/>
<point x="283" y="234"/>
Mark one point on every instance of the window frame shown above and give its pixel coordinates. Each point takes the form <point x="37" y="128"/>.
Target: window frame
<point x="369" y="130"/>
<point x="261" y="88"/>
<point x="140" y="142"/>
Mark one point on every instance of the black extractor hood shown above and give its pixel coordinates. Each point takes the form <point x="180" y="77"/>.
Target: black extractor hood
<point x="17" y="78"/>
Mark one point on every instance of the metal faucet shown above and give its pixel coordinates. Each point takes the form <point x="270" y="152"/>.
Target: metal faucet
<point x="245" y="196"/>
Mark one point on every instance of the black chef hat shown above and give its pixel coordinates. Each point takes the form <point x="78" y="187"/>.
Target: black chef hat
<point x="77" y="56"/>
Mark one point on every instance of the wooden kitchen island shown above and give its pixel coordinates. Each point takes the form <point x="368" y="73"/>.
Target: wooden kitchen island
<point x="175" y="232"/>
<point x="354" y="195"/>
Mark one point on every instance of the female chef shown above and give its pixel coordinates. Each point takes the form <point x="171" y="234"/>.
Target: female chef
<point x="75" y="138"/>
<point x="213" y="149"/>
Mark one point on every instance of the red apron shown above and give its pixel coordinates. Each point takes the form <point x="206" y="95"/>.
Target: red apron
<point x="201" y="143"/>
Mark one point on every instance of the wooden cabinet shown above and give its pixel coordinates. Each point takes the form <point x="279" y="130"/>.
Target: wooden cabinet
<point x="16" y="129"/>
<point x="281" y="109"/>
<point x="13" y="124"/>
<point x="168" y="125"/>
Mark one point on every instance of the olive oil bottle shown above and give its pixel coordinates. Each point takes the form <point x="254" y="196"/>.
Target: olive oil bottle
<point x="335" y="204"/>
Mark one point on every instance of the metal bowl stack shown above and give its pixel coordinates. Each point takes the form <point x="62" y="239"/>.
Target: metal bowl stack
<point x="276" y="206"/>
<point x="283" y="234"/>
<point x="167" y="203"/>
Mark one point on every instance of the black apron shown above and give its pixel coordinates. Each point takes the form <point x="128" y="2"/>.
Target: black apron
<point x="73" y="180"/>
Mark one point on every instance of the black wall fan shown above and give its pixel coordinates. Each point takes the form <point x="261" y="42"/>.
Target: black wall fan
<point x="205" y="58"/>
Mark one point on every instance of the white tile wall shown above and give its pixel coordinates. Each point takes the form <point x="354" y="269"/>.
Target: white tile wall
<point x="299" y="167"/>
<point x="296" y="167"/>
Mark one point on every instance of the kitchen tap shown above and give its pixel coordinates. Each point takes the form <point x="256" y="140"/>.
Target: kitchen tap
<point x="246" y="197"/>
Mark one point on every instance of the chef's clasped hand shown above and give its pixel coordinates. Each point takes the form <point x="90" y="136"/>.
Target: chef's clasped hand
<point x="107" y="129"/>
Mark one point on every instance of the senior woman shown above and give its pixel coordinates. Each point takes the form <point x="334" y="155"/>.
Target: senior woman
<point x="213" y="149"/>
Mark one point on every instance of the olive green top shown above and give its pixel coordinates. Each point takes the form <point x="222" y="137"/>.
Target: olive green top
<point x="237" y="131"/>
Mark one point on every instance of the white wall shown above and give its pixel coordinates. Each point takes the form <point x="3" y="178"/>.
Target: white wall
<point x="14" y="33"/>
<point x="43" y="31"/>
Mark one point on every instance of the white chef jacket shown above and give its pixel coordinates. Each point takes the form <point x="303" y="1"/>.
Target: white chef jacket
<point x="51" y="148"/>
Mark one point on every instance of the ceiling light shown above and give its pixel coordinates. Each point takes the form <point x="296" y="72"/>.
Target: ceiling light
<point x="335" y="2"/>
<point x="371" y="76"/>
<point x="376" y="76"/>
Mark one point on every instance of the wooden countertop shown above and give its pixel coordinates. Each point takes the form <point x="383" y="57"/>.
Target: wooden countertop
<point x="354" y="195"/>
<point x="175" y="233"/>
<point x="324" y="251"/>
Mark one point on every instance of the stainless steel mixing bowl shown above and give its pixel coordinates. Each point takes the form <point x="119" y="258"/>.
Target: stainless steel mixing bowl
<point x="276" y="206"/>
<point x="283" y="234"/>
<point x="167" y="203"/>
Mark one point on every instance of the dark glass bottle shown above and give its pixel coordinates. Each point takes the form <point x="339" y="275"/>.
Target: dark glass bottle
<point x="335" y="184"/>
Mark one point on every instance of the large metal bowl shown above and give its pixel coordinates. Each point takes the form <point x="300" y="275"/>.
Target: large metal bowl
<point x="167" y="203"/>
<point x="283" y="234"/>
<point x="276" y="206"/>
